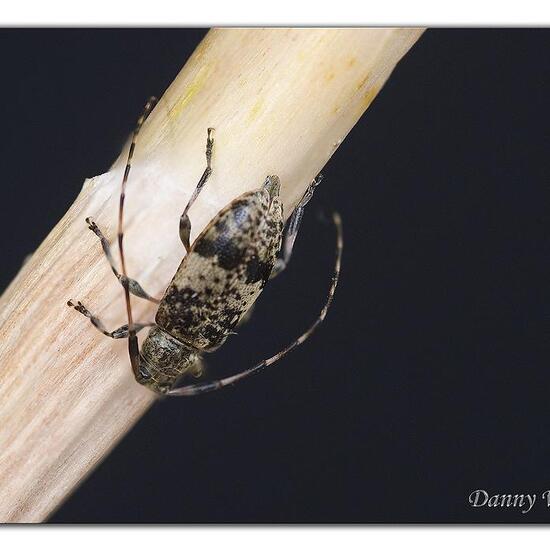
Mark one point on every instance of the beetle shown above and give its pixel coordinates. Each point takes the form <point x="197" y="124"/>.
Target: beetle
<point x="216" y="284"/>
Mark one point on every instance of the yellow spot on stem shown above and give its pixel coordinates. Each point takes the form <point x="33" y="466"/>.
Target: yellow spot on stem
<point x="194" y="87"/>
<point x="369" y="96"/>
<point x="255" y="110"/>
<point x="363" y="81"/>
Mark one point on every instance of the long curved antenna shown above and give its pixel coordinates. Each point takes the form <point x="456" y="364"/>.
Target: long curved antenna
<point x="133" y="347"/>
<point x="196" y="389"/>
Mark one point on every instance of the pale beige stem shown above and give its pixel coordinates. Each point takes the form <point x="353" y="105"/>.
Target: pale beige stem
<point x="281" y="101"/>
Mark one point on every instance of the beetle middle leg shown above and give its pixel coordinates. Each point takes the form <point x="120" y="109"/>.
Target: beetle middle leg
<point x="185" y="222"/>
<point x="292" y="229"/>
<point x="133" y="286"/>
<point x="120" y="332"/>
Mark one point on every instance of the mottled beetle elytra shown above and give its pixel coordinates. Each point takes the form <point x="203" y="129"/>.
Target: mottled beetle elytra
<point x="217" y="282"/>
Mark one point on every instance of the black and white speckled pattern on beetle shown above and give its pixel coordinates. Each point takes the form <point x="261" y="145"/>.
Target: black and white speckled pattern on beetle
<point x="224" y="272"/>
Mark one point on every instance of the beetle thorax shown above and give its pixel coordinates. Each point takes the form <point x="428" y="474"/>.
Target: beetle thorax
<point x="164" y="359"/>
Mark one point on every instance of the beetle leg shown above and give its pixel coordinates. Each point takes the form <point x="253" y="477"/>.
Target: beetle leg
<point x="185" y="222"/>
<point x="218" y="384"/>
<point x="120" y="332"/>
<point x="292" y="229"/>
<point x="134" y="287"/>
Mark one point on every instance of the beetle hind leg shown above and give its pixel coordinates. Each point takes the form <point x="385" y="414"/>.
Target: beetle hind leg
<point x="292" y="228"/>
<point x="185" y="222"/>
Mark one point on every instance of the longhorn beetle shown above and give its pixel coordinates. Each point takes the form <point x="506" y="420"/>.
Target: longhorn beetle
<point x="217" y="282"/>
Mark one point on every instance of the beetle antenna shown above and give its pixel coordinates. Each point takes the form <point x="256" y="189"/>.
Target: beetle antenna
<point x="132" y="336"/>
<point x="204" y="387"/>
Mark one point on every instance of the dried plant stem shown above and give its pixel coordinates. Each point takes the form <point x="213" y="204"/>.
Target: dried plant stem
<point x="281" y="101"/>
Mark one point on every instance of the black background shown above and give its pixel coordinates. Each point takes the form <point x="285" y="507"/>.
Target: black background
<point x="430" y="376"/>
